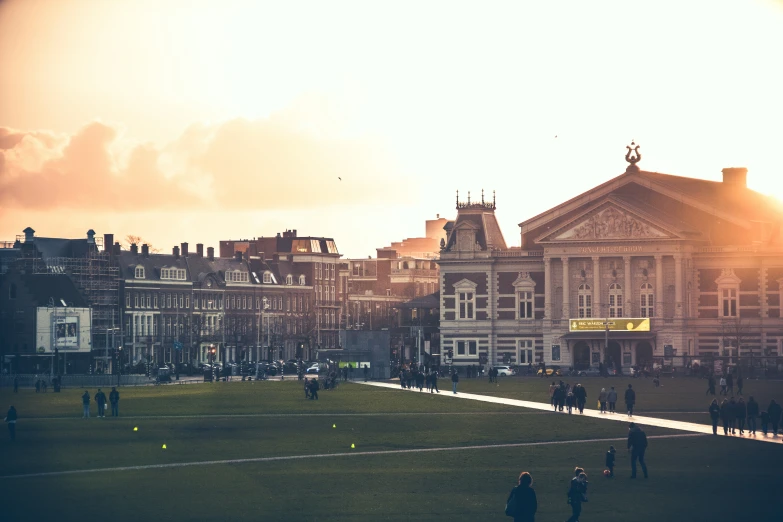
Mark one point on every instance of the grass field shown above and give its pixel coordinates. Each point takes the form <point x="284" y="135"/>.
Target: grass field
<point x="690" y="476"/>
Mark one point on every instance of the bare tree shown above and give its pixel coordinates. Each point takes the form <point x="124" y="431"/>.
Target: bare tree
<point x="130" y="239"/>
<point x="735" y="334"/>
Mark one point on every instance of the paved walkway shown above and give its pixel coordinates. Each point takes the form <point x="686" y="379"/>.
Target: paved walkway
<point x="691" y="427"/>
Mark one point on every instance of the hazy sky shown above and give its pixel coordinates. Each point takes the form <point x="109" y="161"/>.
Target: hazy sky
<point x="198" y="121"/>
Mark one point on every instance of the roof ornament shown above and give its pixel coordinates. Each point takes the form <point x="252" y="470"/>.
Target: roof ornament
<point x="484" y="204"/>
<point x="633" y="156"/>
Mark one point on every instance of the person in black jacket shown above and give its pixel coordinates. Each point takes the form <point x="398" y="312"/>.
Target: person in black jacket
<point x="454" y="381"/>
<point x="630" y="400"/>
<point x="610" y="461"/>
<point x="114" y="399"/>
<point x="741" y="412"/>
<point x="637" y="444"/>
<point x="774" y="411"/>
<point x="714" y="415"/>
<point x="753" y="412"/>
<point x="525" y="503"/>
<point x="577" y="493"/>
<point x="725" y="415"/>
<point x="733" y="415"/>
<point x="711" y="385"/>
<point x="10" y="418"/>
<point x="580" y="393"/>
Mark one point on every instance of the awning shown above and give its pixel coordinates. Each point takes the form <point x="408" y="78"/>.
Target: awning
<point x="613" y="336"/>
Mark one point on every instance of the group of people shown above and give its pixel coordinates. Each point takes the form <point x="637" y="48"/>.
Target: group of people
<point x="311" y="387"/>
<point x="522" y="502"/>
<point x="100" y="400"/>
<point x="733" y="413"/>
<point x="415" y="378"/>
<point x="563" y="397"/>
<point x="726" y="384"/>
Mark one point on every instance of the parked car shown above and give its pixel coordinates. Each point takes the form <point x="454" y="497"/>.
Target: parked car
<point x="505" y="371"/>
<point x="590" y="372"/>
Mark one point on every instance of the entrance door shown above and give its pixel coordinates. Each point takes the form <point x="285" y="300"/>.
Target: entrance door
<point x="644" y="355"/>
<point x="581" y="356"/>
<point x="613" y="356"/>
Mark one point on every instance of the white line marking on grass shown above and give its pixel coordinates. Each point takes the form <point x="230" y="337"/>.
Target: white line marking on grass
<point x="254" y="415"/>
<point x="328" y="455"/>
<point x="595" y="414"/>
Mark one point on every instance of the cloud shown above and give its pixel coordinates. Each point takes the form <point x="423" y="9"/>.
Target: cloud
<point x="271" y="163"/>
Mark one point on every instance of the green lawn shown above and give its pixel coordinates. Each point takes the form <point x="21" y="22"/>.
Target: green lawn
<point x="271" y="419"/>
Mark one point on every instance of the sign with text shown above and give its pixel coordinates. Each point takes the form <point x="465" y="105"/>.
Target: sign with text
<point x="616" y="324"/>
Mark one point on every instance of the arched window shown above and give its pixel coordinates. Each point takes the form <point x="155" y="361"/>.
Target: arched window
<point x="302" y="280"/>
<point x="647" y="300"/>
<point x="585" y="301"/>
<point x="289" y="279"/>
<point x="615" y="300"/>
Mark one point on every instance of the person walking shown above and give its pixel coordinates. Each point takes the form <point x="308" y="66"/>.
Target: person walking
<point x="723" y="390"/>
<point x="552" y="388"/>
<point x="764" y="416"/>
<point x="577" y="493"/>
<point x="610" y="460"/>
<point x="10" y="419"/>
<point x="753" y="412"/>
<point x="16" y="384"/>
<point x="612" y="398"/>
<point x="740" y="383"/>
<point x="100" y="400"/>
<point x="730" y="383"/>
<point x="522" y="503"/>
<point x="86" y="404"/>
<point x="630" y="400"/>
<point x="581" y="397"/>
<point x="725" y="415"/>
<point x="366" y="373"/>
<point x="714" y="415"/>
<point x="314" y="387"/>
<point x="435" y="382"/>
<point x="637" y="445"/>
<point x="454" y="381"/>
<point x="602" y="395"/>
<point x="774" y="411"/>
<point x="741" y="413"/>
<point x="114" y="399"/>
<point x="710" y="385"/>
<point x="570" y="399"/>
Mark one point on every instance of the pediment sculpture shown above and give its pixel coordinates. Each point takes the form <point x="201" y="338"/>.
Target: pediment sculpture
<point x="612" y="223"/>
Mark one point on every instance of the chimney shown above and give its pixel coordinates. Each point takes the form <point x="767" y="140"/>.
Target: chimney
<point x="211" y="253"/>
<point x="108" y="241"/>
<point x="294" y="235"/>
<point x="29" y="235"/>
<point x="199" y="249"/>
<point x="91" y="237"/>
<point x="117" y="248"/>
<point x="238" y="256"/>
<point x="145" y="250"/>
<point x="175" y="251"/>
<point x="735" y="176"/>
<point x="184" y="250"/>
<point x="134" y="248"/>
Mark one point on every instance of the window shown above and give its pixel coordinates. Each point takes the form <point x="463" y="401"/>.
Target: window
<point x="467" y="303"/>
<point x="236" y="276"/>
<point x="525" y="304"/>
<point x="728" y="298"/>
<point x="267" y="277"/>
<point x="525" y="348"/>
<point x="168" y="300"/>
<point x="136" y="301"/>
<point x="155" y="300"/>
<point x="289" y="279"/>
<point x="615" y="300"/>
<point x="139" y="272"/>
<point x="556" y="352"/>
<point x="585" y="301"/>
<point x="467" y="348"/>
<point x="646" y="300"/>
<point x="187" y="302"/>
<point x="244" y="302"/>
<point x="301" y="280"/>
<point x="148" y="301"/>
<point x="127" y="300"/>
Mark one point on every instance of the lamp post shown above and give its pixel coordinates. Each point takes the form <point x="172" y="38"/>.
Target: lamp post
<point x="212" y="360"/>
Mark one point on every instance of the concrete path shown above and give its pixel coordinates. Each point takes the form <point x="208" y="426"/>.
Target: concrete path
<point x="617" y="417"/>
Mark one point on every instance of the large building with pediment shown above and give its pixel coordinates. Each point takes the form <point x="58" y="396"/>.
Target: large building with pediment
<point x="702" y="260"/>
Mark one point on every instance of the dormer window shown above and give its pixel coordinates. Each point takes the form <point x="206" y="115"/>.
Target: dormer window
<point x="267" y="278"/>
<point x="139" y="272"/>
<point x="301" y="280"/>
<point x="236" y="276"/>
<point x="177" y="274"/>
<point x="289" y="279"/>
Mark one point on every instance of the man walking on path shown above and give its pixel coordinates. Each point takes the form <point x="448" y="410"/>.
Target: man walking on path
<point x="742" y="412"/>
<point x="454" y="381"/>
<point x="100" y="399"/>
<point x="114" y="399"/>
<point x="581" y="397"/>
<point x="10" y="418"/>
<point x="637" y="444"/>
<point x="86" y="404"/>
<point x="774" y="411"/>
<point x="612" y="398"/>
<point x="753" y="412"/>
<point x="714" y="415"/>
<point x="630" y="400"/>
<point x="434" y="382"/>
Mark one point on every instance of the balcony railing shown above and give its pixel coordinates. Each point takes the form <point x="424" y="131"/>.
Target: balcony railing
<point x="517" y="253"/>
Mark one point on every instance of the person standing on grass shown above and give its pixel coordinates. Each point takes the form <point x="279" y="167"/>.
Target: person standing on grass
<point x="314" y="386"/>
<point x="307" y="388"/>
<point x="612" y="398"/>
<point x="610" y="461"/>
<point x="577" y="493"/>
<point x="366" y="373"/>
<point x="637" y="444"/>
<point x="774" y="411"/>
<point x="725" y="415"/>
<point x="454" y="381"/>
<point x="742" y="412"/>
<point x="714" y="415"/>
<point x="723" y="390"/>
<point x="710" y="385"/>
<point x="753" y="412"/>
<point x="86" y="404"/>
<point x="630" y="400"/>
<point x="522" y="503"/>
<point x="581" y="397"/>
<point x="730" y="383"/>
<point x="10" y="419"/>
<point x="552" y="388"/>
<point x="16" y="384"/>
<point x="100" y="400"/>
<point x="114" y="399"/>
<point x="602" y="399"/>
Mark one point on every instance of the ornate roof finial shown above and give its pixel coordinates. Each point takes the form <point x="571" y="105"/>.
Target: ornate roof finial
<point x="633" y="156"/>
<point x="458" y="199"/>
<point x="468" y="197"/>
<point x="482" y="196"/>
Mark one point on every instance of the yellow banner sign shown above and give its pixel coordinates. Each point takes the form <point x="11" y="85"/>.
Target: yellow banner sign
<point x="616" y="324"/>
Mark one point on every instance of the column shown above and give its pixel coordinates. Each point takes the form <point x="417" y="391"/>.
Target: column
<point x="597" y="310"/>
<point x="658" y="285"/>
<point x="547" y="288"/>
<point x="677" y="285"/>
<point x="630" y="304"/>
<point x="566" y="290"/>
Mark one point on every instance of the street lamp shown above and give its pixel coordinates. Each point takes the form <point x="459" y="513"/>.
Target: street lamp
<point x="212" y="360"/>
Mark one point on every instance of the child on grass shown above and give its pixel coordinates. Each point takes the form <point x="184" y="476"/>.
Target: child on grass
<point x="610" y="461"/>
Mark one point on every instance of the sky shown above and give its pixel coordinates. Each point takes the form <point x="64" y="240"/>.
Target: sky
<point x="199" y="121"/>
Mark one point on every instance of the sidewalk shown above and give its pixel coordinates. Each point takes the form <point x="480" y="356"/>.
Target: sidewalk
<point x="617" y="417"/>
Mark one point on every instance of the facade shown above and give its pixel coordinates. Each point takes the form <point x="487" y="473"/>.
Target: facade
<point x="702" y="260"/>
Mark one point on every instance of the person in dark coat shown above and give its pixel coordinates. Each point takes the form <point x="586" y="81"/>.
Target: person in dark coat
<point x="556" y="397"/>
<point x="434" y="382"/>
<point x="710" y="385"/>
<point x="630" y="400"/>
<point x="307" y="388"/>
<point x="741" y="412"/>
<point x="100" y="400"/>
<point x="454" y="381"/>
<point x="774" y="411"/>
<point x="86" y="404"/>
<point x="637" y="444"/>
<point x="610" y="461"/>
<point x="739" y="384"/>
<point x="725" y="415"/>
<point x="114" y="400"/>
<point x="753" y="412"/>
<point x="581" y="397"/>
<point x="314" y="387"/>
<point x="714" y="415"/>
<point x="733" y="415"/>
<point x="730" y="383"/>
<point x="10" y="419"/>
<point x="577" y="493"/>
<point x="764" y="422"/>
<point x="525" y="500"/>
<point x="612" y="398"/>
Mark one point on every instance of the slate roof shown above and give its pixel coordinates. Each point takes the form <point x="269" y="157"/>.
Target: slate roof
<point x="425" y="301"/>
<point x="58" y="247"/>
<point x="488" y="234"/>
<point x="43" y="287"/>
<point x="128" y="261"/>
